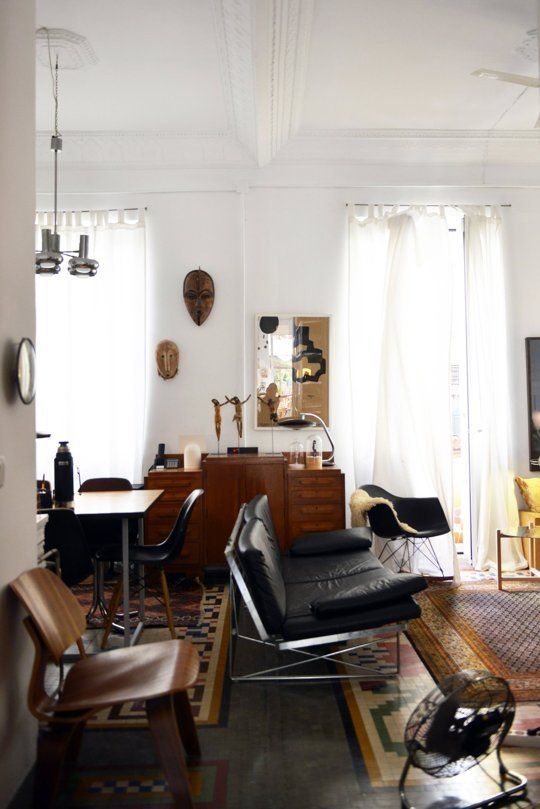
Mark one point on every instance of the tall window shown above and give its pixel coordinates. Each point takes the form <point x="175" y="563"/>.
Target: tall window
<point x="90" y="345"/>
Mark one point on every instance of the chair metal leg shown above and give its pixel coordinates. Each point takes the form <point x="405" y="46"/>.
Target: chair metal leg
<point x="166" y="735"/>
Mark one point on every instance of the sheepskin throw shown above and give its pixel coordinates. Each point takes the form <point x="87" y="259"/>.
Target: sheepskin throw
<point x="360" y="504"/>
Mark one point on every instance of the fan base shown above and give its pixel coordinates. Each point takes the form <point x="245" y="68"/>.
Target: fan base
<point x="518" y="781"/>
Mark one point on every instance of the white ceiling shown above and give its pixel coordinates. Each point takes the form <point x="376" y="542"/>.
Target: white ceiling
<point x="238" y="82"/>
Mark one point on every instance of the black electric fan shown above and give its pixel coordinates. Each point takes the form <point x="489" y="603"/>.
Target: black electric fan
<point x="456" y="726"/>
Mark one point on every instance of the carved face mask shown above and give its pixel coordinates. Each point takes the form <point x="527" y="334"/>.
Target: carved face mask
<point x="198" y="295"/>
<point x="167" y="357"/>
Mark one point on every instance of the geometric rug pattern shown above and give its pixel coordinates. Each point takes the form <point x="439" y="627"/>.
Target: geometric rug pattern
<point x="121" y="787"/>
<point x="478" y="626"/>
<point x="378" y="711"/>
<point x="210" y="638"/>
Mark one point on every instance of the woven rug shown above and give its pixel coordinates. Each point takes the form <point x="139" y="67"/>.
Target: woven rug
<point x="477" y="626"/>
<point x="210" y="637"/>
<point x="145" y="788"/>
<point x="186" y="597"/>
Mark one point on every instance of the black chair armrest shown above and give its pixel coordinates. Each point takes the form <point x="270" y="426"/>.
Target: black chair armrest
<point x="343" y="540"/>
<point x="374" y="593"/>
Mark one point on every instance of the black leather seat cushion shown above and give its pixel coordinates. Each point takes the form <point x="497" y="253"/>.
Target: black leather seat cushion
<point x="372" y="589"/>
<point x="297" y="569"/>
<point x="345" y="539"/>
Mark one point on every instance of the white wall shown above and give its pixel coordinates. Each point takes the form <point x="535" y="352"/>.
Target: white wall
<point x="283" y="248"/>
<point x="17" y="439"/>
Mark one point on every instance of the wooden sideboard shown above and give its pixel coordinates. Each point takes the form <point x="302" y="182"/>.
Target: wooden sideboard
<point x="301" y="501"/>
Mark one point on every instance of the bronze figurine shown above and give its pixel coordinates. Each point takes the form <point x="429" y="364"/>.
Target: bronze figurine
<point x="217" y="415"/>
<point x="199" y="295"/>
<point x="271" y="400"/>
<point x="238" y="411"/>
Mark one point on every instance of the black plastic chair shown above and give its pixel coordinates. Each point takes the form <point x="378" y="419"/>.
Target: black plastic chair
<point x="156" y="556"/>
<point x="424" y="514"/>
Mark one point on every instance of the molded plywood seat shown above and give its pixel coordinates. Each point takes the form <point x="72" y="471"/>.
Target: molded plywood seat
<point x="158" y="674"/>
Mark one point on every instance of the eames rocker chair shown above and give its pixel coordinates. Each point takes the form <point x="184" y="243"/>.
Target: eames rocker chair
<point x="157" y="674"/>
<point x="424" y="515"/>
<point x="154" y="556"/>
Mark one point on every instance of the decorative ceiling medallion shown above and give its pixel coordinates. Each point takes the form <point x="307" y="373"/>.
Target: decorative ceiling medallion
<point x="74" y="51"/>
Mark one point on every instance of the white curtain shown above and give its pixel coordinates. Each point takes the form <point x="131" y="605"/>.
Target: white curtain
<point x="90" y="346"/>
<point x="401" y="326"/>
<point x="494" y="503"/>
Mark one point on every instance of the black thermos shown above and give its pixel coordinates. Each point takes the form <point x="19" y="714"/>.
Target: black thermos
<point x="63" y="474"/>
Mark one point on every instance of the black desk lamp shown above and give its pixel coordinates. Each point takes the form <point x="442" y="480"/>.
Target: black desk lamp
<point x="310" y="420"/>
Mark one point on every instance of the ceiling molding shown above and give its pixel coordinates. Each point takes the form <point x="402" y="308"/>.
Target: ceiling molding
<point x="145" y="150"/>
<point x="399" y="147"/>
<point x="283" y="32"/>
<point x="429" y="134"/>
<point x="234" y="35"/>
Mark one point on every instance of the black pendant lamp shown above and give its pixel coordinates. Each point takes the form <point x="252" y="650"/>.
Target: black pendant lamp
<point x="50" y="257"/>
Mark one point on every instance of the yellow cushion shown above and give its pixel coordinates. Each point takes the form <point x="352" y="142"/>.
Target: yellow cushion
<point x="530" y="490"/>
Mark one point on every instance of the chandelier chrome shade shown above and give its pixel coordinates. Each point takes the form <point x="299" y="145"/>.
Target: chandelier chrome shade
<point x="50" y="257"/>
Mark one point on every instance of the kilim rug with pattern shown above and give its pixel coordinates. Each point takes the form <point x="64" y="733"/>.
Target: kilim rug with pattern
<point x="375" y="714"/>
<point x="210" y="637"/>
<point x="186" y="596"/>
<point x="477" y="626"/>
<point x="121" y="787"/>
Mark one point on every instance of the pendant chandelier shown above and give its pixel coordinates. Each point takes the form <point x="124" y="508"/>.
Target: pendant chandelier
<point x="50" y="257"/>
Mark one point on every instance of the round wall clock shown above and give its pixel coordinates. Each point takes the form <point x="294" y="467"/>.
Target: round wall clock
<point x="26" y="370"/>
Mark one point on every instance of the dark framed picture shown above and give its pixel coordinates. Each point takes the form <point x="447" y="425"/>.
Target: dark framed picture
<point x="532" y="347"/>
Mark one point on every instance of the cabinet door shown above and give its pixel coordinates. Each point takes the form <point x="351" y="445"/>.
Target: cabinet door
<point x="224" y="493"/>
<point x="269" y="479"/>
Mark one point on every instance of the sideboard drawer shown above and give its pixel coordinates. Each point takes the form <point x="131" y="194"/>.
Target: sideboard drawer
<point x="312" y="494"/>
<point x="322" y="480"/>
<point x="308" y="526"/>
<point x="300" y="511"/>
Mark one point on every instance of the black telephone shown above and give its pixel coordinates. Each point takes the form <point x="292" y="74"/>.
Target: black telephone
<point x="159" y="460"/>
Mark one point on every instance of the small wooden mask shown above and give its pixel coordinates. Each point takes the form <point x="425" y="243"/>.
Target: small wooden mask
<point x="198" y="295"/>
<point x="167" y="358"/>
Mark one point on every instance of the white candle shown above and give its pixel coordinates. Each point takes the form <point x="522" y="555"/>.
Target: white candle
<point x="192" y="457"/>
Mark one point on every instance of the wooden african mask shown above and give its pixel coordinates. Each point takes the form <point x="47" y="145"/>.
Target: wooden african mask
<point x="167" y="358"/>
<point x="198" y="295"/>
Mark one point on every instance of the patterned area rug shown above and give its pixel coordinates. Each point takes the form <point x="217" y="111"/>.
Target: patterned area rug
<point x="477" y="626"/>
<point x="119" y="787"/>
<point x="186" y="598"/>
<point x="210" y="638"/>
<point x="375" y="714"/>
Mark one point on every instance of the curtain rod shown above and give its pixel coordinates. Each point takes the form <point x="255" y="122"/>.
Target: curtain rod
<point x="429" y="204"/>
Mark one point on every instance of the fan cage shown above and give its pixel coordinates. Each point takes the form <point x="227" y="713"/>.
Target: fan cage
<point x="459" y="723"/>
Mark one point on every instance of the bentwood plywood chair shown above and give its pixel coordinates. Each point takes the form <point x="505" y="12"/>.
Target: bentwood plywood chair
<point x="158" y="674"/>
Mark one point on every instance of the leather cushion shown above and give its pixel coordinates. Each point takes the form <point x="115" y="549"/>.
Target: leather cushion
<point x="297" y="569"/>
<point x="259" y="508"/>
<point x="307" y="625"/>
<point x="263" y="574"/>
<point x="345" y="539"/>
<point x="373" y="591"/>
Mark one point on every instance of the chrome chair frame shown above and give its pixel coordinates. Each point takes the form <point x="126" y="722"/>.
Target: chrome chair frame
<point x="239" y="593"/>
<point x="420" y="545"/>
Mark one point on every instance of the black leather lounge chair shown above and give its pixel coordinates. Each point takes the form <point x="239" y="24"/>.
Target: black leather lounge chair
<point x="424" y="514"/>
<point x="300" y="602"/>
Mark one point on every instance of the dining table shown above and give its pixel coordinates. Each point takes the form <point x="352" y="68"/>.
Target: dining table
<point x="124" y="505"/>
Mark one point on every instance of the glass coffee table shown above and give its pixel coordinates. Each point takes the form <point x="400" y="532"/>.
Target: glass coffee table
<point x="521" y="532"/>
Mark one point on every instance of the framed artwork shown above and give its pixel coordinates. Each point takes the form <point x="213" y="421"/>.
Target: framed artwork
<point x="292" y="367"/>
<point x="532" y="345"/>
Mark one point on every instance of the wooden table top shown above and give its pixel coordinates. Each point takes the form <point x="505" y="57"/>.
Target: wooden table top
<point x="134" y="503"/>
